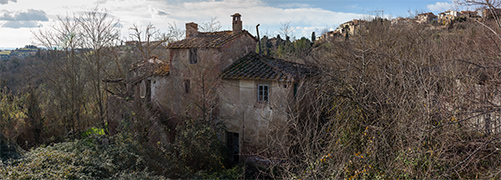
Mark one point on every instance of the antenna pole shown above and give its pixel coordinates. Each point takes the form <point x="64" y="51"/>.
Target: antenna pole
<point x="258" y="39"/>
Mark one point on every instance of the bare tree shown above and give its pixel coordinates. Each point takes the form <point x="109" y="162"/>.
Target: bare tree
<point x="100" y="34"/>
<point x="395" y="101"/>
<point x="173" y="33"/>
<point x="490" y="10"/>
<point x="149" y="42"/>
<point x="82" y="49"/>
<point x="286" y="29"/>
<point x="212" y="26"/>
<point x="64" y="71"/>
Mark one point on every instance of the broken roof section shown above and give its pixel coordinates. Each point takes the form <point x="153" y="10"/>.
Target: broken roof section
<point x="151" y="66"/>
<point x="430" y="14"/>
<point x="254" y="66"/>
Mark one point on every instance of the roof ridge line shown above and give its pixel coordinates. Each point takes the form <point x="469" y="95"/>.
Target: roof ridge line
<point x="279" y="70"/>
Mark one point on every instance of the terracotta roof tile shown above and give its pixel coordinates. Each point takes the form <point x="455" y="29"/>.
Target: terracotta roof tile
<point x="207" y="40"/>
<point x="262" y="67"/>
<point x="152" y="66"/>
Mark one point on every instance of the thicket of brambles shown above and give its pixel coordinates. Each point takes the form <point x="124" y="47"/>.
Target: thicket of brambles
<point x="398" y="101"/>
<point x="391" y="101"/>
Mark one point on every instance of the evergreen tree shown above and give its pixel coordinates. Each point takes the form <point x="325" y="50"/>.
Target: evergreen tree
<point x="279" y="41"/>
<point x="313" y="37"/>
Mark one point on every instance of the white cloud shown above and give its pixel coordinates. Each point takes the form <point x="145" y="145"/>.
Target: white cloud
<point x="21" y="24"/>
<point x="441" y="6"/>
<point x="23" y="19"/>
<point x="308" y="30"/>
<point x="257" y="12"/>
<point x="29" y="15"/>
<point x="295" y="5"/>
<point x="7" y="1"/>
<point x="162" y="13"/>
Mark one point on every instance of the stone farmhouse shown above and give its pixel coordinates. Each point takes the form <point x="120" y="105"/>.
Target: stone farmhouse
<point x="447" y="16"/>
<point x="469" y="14"/>
<point x="450" y="15"/>
<point x="218" y="76"/>
<point x="255" y="96"/>
<point x="350" y="27"/>
<point x="194" y="65"/>
<point x="426" y="17"/>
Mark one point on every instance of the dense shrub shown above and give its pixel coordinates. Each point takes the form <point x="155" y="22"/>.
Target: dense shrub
<point x="197" y="152"/>
<point x="9" y="150"/>
<point x="81" y="159"/>
<point x="197" y="149"/>
<point x="236" y="172"/>
<point x="397" y="101"/>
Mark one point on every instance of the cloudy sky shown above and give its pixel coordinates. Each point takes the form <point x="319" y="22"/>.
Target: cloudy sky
<point x="18" y="18"/>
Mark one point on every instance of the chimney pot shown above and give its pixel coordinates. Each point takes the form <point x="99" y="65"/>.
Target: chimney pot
<point x="237" y="23"/>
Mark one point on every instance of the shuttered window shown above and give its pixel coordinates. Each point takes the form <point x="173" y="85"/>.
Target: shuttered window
<point x="263" y="93"/>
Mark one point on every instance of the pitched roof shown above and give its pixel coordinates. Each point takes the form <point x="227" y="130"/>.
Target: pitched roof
<point x="152" y="66"/>
<point x="262" y="67"/>
<point x="208" y="40"/>
<point x="427" y="14"/>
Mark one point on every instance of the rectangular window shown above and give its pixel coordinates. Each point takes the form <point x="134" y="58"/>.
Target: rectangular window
<point x="193" y="56"/>
<point x="263" y="92"/>
<point x="186" y="86"/>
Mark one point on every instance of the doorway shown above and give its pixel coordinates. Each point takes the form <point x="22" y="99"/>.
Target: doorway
<point x="233" y="144"/>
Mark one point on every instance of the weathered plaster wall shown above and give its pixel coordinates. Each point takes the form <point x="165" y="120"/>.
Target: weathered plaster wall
<point x="234" y="50"/>
<point x="171" y="95"/>
<point x="159" y="89"/>
<point x="253" y="120"/>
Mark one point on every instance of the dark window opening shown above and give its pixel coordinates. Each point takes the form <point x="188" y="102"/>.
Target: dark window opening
<point x="263" y="93"/>
<point x="233" y="145"/>
<point x="193" y="56"/>
<point x="186" y="86"/>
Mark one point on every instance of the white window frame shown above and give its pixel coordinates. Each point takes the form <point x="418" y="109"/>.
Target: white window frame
<point x="263" y="93"/>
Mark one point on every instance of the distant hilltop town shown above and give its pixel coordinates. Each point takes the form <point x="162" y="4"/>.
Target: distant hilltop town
<point x="28" y="50"/>
<point x="444" y="19"/>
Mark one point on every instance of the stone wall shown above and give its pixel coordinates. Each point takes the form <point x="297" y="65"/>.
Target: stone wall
<point x="254" y="121"/>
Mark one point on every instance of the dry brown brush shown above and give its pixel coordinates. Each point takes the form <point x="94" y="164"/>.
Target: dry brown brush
<point x="397" y="101"/>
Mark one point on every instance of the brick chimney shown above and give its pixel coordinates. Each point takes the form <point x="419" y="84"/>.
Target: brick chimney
<point x="191" y="30"/>
<point x="237" y="23"/>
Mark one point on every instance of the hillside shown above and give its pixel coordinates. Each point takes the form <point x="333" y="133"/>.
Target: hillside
<point x="375" y="100"/>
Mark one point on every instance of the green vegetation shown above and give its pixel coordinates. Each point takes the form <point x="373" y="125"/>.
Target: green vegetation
<point x="93" y="131"/>
<point x="392" y="101"/>
<point x="87" y="158"/>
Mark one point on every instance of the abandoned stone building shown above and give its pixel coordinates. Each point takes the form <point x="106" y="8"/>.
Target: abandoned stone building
<point x="194" y="65"/>
<point x="426" y="17"/>
<point x="219" y="76"/>
<point x="255" y="96"/>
